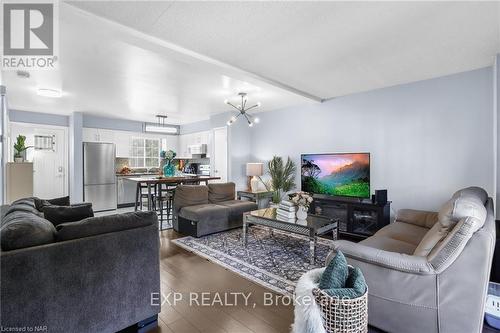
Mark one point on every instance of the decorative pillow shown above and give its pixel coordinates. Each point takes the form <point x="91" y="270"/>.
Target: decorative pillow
<point x="63" y="214"/>
<point x="27" y="201"/>
<point x="62" y="201"/>
<point x="335" y="274"/>
<point x="355" y="286"/>
<point x="25" y="229"/>
<point x="104" y="224"/>
<point x="22" y="206"/>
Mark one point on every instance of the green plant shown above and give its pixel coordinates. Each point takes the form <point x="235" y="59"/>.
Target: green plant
<point x="19" y="146"/>
<point x="282" y="177"/>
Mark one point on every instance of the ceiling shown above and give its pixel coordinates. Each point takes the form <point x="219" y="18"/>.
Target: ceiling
<point x="136" y="59"/>
<point x="327" y="49"/>
<point x="110" y="71"/>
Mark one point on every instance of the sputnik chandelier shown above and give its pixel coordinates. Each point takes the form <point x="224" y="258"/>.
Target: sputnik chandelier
<point x="243" y="110"/>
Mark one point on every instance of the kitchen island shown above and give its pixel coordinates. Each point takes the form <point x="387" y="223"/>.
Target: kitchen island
<point x="153" y="185"/>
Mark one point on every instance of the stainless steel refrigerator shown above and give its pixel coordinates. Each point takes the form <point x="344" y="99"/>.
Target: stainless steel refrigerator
<point x="99" y="178"/>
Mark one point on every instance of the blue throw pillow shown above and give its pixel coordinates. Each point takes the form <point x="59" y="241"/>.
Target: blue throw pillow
<point x="335" y="274"/>
<point x="355" y="286"/>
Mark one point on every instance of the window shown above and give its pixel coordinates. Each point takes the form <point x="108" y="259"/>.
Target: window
<point x="145" y="153"/>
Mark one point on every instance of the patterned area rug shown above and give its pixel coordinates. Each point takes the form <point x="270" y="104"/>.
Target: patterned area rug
<point x="275" y="261"/>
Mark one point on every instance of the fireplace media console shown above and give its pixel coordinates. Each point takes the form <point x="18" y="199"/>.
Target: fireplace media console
<point x="357" y="218"/>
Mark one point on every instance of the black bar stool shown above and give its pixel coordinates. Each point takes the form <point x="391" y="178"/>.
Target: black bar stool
<point x="165" y="200"/>
<point x="142" y="192"/>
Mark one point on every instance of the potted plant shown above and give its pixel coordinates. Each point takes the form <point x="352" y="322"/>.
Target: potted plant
<point x="20" y="148"/>
<point x="282" y="177"/>
<point x="169" y="167"/>
<point x="302" y="200"/>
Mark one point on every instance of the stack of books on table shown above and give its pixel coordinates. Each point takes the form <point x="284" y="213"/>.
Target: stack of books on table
<point x="286" y="211"/>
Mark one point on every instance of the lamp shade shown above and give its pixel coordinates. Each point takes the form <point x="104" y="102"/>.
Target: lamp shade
<point x="255" y="169"/>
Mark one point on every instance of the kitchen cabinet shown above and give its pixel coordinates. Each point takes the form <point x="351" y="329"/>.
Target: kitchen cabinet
<point x="125" y="191"/>
<point x="90" y="135"/>
<point x="98" y="135"/>
<point x="183" y="146"/>
<point x="122" y="143"/>
<point x="186" y="140"/>
<point x="123" y="139"/>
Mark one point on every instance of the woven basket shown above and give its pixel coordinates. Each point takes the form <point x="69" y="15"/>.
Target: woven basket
<point x="343" y="315"/>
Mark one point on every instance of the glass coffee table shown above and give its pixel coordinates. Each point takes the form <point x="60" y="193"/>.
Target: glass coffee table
<point x="312" y="227"/>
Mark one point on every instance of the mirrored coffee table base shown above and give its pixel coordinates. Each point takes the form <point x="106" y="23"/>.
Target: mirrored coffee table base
<point x="312" y="227"/>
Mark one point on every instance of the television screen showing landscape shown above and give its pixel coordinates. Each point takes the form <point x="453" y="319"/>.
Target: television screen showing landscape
<point x="336" y="174"/>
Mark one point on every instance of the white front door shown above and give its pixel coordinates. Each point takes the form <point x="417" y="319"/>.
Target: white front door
<point x="50" y="177"/>
<point x="219" y="157"/>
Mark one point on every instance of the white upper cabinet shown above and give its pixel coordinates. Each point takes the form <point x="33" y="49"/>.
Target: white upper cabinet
<point x="123" y="139"/>
<point x="90" y="135"/>
<point x="122" y="143"/>
<point x="186" y="140"/>
<point x="98" y="135"/>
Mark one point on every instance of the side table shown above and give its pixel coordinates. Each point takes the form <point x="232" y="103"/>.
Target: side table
<point x="261" y="198"/>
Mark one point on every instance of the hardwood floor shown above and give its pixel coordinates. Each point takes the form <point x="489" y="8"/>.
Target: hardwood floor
<point x="183" y="272"/>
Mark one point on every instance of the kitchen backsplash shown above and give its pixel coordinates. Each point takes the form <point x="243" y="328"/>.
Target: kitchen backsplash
<point x="121" y="162"/>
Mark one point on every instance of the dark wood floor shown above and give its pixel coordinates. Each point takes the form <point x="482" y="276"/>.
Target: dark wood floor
<point x="184" y="272"/>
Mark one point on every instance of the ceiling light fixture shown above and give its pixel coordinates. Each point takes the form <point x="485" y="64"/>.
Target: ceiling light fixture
<point x="53" y="93"/>
<point x="243" y="110"/>
<point x="161" y="126"/>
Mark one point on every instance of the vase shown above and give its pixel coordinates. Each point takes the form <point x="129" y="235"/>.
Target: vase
<point x="301" y="213"/>
<point x="169" y="170"/>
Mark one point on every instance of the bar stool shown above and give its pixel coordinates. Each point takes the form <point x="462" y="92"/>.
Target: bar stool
<point x="165" y="196"/>
<point x="140" y="194"/>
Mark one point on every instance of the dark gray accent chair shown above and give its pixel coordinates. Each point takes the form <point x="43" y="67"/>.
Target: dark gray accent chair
<point x="201" y="210"/>
<point x="94" y="275"/>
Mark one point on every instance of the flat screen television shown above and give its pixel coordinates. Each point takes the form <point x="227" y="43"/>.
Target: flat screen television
<point x="337" y="174"/>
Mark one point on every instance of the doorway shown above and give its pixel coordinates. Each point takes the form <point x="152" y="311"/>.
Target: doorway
<point x="219" y="155"/>
<point x="49" y="154"/>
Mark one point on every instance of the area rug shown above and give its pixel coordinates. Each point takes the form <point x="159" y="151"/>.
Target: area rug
<point x="274" y="260"/>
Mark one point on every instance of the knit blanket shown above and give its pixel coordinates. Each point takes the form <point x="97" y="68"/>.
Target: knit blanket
<point x="307" y="312"/>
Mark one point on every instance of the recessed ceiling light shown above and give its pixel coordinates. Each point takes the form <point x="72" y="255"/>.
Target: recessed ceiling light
<point x="49" y="92"/>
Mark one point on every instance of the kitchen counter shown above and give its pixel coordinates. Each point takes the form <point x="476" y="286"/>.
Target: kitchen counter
<point x="133" y="174"/>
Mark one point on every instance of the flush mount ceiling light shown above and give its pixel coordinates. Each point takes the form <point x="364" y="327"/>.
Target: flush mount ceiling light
<point x="53" y="93"/>
<point x="161" y="126"/>
<point x="243" y="110"/>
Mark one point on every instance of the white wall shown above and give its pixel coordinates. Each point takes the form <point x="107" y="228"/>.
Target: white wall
<point x="496" y="116"/>
<point x="76" y="157"/>
<point x="427" y="139"/>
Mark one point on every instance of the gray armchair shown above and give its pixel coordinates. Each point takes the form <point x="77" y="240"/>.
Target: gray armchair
<point x="427" y="271"/>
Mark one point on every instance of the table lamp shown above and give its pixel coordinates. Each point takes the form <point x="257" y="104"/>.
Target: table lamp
<point x="254" y="170"/>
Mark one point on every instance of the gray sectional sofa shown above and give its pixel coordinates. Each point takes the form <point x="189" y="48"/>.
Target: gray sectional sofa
<point x="93" y="275"/>
<point x="201" y="210"/>
<point x="429" y="271"/>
